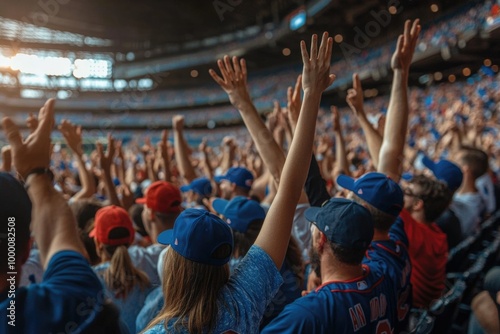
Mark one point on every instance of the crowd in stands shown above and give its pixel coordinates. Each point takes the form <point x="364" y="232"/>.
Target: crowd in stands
<point x="313" y="221"/>
<point x="265" y="85"/>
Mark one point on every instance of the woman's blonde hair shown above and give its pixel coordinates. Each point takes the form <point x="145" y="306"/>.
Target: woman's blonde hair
<point x="191" y="291"/>
<point x="122" y="276"/>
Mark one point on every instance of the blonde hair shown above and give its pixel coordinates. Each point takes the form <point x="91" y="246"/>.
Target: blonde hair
<point x="191" y="290"/>
<point x="122" y="276"/>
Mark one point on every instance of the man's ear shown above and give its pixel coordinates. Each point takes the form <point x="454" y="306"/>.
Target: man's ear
<point x="418" y="205"/>
<point x="321" y="243"/>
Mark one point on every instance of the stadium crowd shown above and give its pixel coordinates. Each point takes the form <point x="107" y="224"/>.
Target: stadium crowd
<point x="316" y="222"/>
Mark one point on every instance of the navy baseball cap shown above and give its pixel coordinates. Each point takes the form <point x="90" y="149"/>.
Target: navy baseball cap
<point x="376" y="189"/>
<point x="239" y="176"/>
<point x="201" y="186"/>
<point x="344" y="222"/>
<point x="446" y="171"/>
<point x="239" y="212"/>
<point x="196" y="235"/>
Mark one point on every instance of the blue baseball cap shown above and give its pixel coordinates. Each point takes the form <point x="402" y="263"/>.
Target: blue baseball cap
<point x="239" y="212"/>
<point x="239" y="176"/>
<point x="376" y="189"/>
<point x="344" y="222"/>
<point x="196" y="235"/>
<point x="201" y="186"/>
<point x="446" y="171"/>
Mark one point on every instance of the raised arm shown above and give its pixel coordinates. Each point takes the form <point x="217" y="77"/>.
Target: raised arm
<point x="392" y="150"/>
<point x="73" y="136"/>
<point x="182" y="150"/>
<point x="53" y="224"/>
<point x="105" y="161"/>
<point x="275" y="233"/>
<point x="341" y="164"/>
<point x="355" y="101"/>
<point x="165" y="157"/>
<point x="234" y="83"/>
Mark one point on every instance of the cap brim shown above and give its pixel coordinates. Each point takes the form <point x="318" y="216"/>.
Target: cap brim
<point x="141" y="200"/>
<point x="220" y="205"/>
<point x="166" y="237"/>
<point x="407" y="176"/>
<point x="219" y="178"/>
<point x="185" y="188"/>
<point x="312" y="213"/>
<point x="346" y="182"/>
<point x="427" y="162"/>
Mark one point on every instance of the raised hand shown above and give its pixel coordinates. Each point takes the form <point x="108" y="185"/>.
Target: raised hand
<point x="355" y="95"/>
<point x="335" y="119"/>
<point x="34" y="151"/>
<point x="401" y="59"/>
<point x="294" y="102"/>
<point x="162" y="145"/>
<point x="73" y="136"/>
<point x="316" y="75"/>
<point x="106" y="159"/>
<point x="178" y="122"/>
<point x="233" y="80"/>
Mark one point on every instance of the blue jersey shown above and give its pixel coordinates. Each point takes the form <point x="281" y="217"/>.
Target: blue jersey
<point x="398" y="269"/>
<point x="363" y="305"/>
<point x="67" y="300"/>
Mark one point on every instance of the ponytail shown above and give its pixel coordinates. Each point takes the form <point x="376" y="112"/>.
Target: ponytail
<point x="122" y="275"/>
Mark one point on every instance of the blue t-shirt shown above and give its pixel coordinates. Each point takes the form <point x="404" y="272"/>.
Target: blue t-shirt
<point x="152" y="306"/>
<point x="130" y="306"/>
<point x="362" y="305"/>
<point x="67" y="300"/>
<point x="289" y="291"/>
<point x="395" y="255"/>
<point x="244" y="298"/>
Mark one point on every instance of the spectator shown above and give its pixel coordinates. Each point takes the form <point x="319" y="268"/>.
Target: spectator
<point x="486" y="306"/>
<point x="236" y="182"/>
<point x="198" y="190"/>
<point x="245" y="217"/>
<point x="468" y="204"/>
<point x="351" y="293"/>
<point x="126" y="285"/>
<point x="213" y="301"/>
<point x="68" y="282"/>
<point x="425" y="201"/>
<point x="162" y="205"/>
<point x="448" y="222"/>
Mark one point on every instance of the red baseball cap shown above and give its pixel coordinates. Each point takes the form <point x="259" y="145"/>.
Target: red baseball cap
<point x="163" y="197"/>
<point x="111" y="226"/>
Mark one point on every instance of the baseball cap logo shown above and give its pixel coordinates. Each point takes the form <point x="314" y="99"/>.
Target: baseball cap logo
<point x="228" y="221"/>
<point x="248" y="182"/>
<point x="176" y="242"/>
<point x="360" y="192"/>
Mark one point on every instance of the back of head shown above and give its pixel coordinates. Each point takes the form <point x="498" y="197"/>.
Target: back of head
<point x="114" y="231"/>
<point x="195" y="269"/>
<point x="347" y="225"/>
<point x="15" y="219"/>
<point x="475" y="160"/>
<point x="84" y="211"/>
<point x="435" y="195"/>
